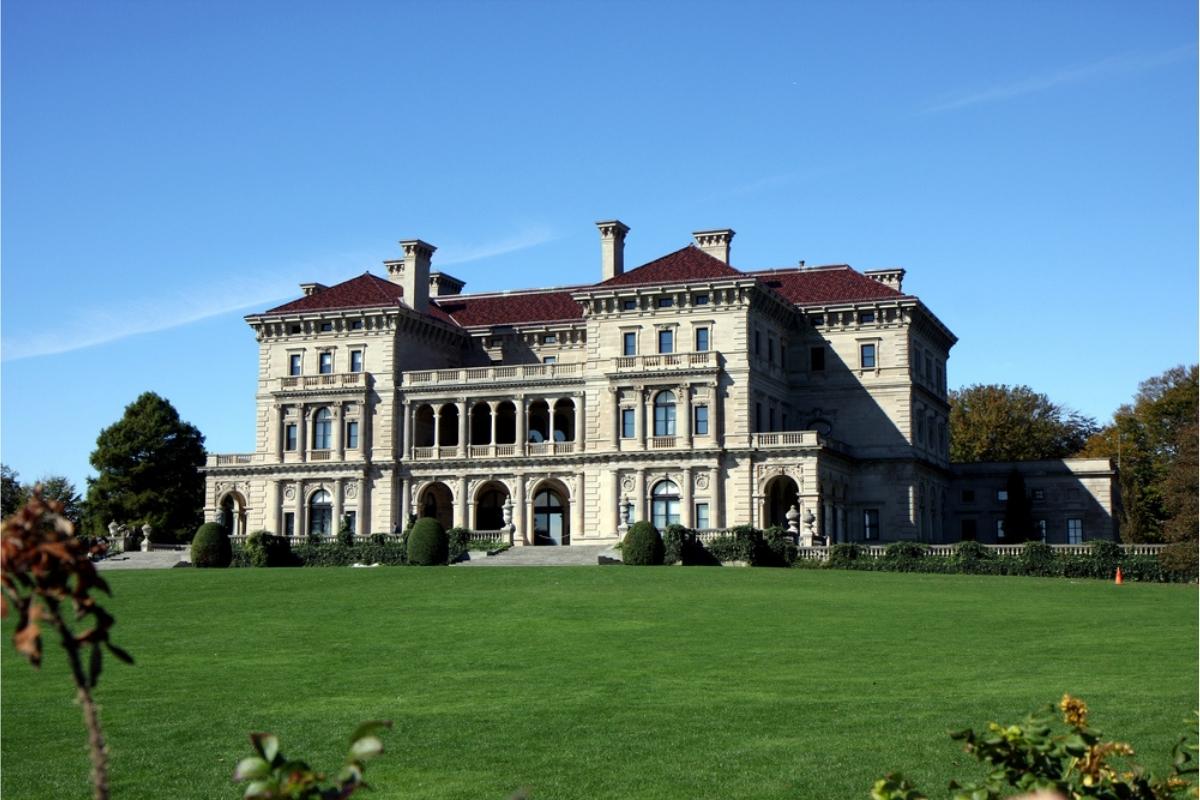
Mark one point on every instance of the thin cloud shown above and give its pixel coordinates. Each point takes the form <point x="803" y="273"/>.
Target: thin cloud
<point x="523" y="240"/>
<point x="1115" y="65"/>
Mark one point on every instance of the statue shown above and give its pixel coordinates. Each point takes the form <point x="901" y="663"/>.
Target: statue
<point x="146" y="538"/>
<point x="507" y="511"/>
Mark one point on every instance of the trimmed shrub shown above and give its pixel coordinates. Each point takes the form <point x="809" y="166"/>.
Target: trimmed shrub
<point x="1105" y="558"/>
<point x="971" y="556"/>
<point x="1037" y="558"/>
<point x="905" y="551"/>
<point x="737" y="545"/>
<point x="844" y="556"/>
<point x="674" y="541"/>
<point x="211" y="546"/>
<point x="263" y="549"/>
<point x="428" y="544"/>
<point x="642" y="547"/>
<point x="458" y="543"/>
<point x="345" y="534"/>
<point x="778" y="550"/>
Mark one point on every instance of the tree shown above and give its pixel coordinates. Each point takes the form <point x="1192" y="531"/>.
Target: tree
<point x="11" y="491"/>
<point x="1018" y="513"/>
<point x="60" y="489"/>
<point x="148" y="472"/>
<point x="1153" y="442"/>
<point x="994" y="422"/>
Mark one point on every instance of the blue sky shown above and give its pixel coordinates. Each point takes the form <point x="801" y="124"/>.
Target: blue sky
<point x="170" y="167"/>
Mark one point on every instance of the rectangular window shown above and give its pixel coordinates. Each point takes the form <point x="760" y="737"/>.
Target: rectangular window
<point x="928" y="366"/>
<point x="627" y="422"/>
<point x="289" y="523"/>
<point x="356" y="360"/>
<point x="550" y="360"/>
<point x="1039" y="494"/>
<point x="817" y="356"/>
<point x="294" y="364"/>
<point x="1041" y="528"/>
<point x="866" y="317"/>
<point x="550" y="338"/>
<point x="700" y="300"/>
<point x="871" y="523"/>
<point x="1074" y="531"/>
<point x="968" y="495"/>
<point x="968" y="530"/>
<point x="352" y="435"/>
<point x="702" y="522"/>
<point x="326" y="327"/>
<point x="356" y="325"/>
<point x="758" y="426"/>
<point x="770" y="350"/>
<point x="295" y="328"/>
<point x="867" y="352"/>
<point x="666" y="341"/>
<point x="999" y="529"/>
<point x="701" y="340"/>
<point x="701" y="421"/>
<point x="1001" y="495"/>
<point x="289" y="436"/>
<point x="666" y="302"/>
<point x="629" y="343"/>
<point x="325" y="365"/>
<point x="629" y="305"/>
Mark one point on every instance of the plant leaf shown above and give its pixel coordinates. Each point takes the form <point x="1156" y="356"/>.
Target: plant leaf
<point x="366" y="747"/>
<point x="251" y="768"/>
<point x="370" y="729"/>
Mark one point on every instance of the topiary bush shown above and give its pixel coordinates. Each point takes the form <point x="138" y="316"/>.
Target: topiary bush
<point x="1038" y="558"/>
<point x="674" y="542"/>
<point x="642" y="546"/>
<point x="264" y="549"/>
<point x="428" y="544"/>
<point x="459" y="542"/>
<point x="211" y="546"/>
<point x="842" y="556"/>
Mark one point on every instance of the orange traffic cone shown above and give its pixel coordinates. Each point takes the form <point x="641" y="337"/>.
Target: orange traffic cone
<point x="1119" y="581"/>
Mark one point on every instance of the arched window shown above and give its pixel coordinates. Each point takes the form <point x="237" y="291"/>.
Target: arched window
<point x="664" y="414"/>
<point x="323" y="430"/>
<point x="664" y="505"/>
<point x="320" y="514"/>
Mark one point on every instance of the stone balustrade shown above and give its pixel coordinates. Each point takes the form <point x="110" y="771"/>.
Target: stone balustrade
<point x="700" y="360"/>
<point x="764" y="441"/>
<point x="231" y="459"/>
<point x="517" y="373"/>
<point x="336" y="380"/>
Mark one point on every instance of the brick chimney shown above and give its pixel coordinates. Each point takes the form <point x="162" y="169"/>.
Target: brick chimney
<point x="612" y="248"/>
<point x="412" y="273"/>
<point x="715" y="243"/>
<point x="893" y="276"/>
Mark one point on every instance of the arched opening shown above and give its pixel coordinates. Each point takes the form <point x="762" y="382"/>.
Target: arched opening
<point x="781" y="494"/>
<point x="233" y="514"/>
<point x="481" y="424"/>
<point x="448" y="425"/>
<point x="322" y="436"/>
<point x="506" y="423"/>
<point x="664" y="414"/>
<point x="423" y="427"/>
<point x="664" y="504"/>
<point x="551" y="520"/>
<point x="564" y="420"/>
<point x="489" y="506"/>
<point x="539" y="421"/>
<point x="437" y="502"/>
<point x="320" y="514"/>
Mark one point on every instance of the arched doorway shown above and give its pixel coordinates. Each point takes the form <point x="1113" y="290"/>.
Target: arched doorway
<point x="233" y="514"/>
<point x="489" y="506"/>
<point x="664" y="504"/>
<point x="551" y="520"/>
<point x="436" y="501"/>
<point x="320" y="514"/>
<point x="781" y="494"/>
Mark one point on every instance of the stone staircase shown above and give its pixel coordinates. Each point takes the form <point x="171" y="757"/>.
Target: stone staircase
<point x="579" y="555"/>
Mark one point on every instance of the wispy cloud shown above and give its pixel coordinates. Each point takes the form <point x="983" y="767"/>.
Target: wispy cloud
<point x="252" y="289"/>
<point x="524" y="239"/>
<point x="1115" y="65"/>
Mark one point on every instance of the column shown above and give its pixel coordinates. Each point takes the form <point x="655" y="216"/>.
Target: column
<point x="460" y="503"/>
<point x="716" y="511"/>
<point x="437" y="428"/>
<point x="615" y="428"/>
<point x="301" y="528"/>
<point x="339" y="433"/>
<point x="687" y="507"/>
<point x="639" y="498"/>
<point x="405" y="498"/>
<point x="280" y="426"/>
<point x="640" y="417"/>
<point x="406" y="453"/>
<point x="337" y="506"/>
<point x="364" y="505"/>
<point x="686" y="391"/>
<point x="462" y="427"/>
<point x="302" y="431"/>
<point x="522" y="423"/>
<point x="519" y="515"/>
<point x="579" y="423"/>
<point x="716" y="410"/>
<point x="273" y="519"/>
<point x="492" y="406"/>
<point x="577" y="508"/>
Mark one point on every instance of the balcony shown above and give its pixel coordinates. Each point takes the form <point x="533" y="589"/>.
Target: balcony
<point x="703" y="360"/>
<point x="518" y="373"/>
<point x="231" y="459"/>
<point x="769" y="441"/>
<point x="337" y="380"/>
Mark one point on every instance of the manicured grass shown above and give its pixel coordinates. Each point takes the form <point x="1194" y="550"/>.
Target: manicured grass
<point x="609" y="682"/>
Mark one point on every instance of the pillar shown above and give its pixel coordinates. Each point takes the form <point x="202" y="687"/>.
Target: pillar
<point x="280" y="426"/>
<point x="716" y="504"/>
<point x="337" y="506"/>
<point x="492" y="406"/>
<point x="615" y="428"/>
<point x="405" y="501"/>
<point x="640" y="418"/>
<point x="522" y="423"/>
<point x="437" y="428"/>
<point x="462" y="428"/>
<point x="339" y="433"/>
<point x="716" y="412"/>
<point x="301" y="523"/>
<point x="273" y="519"/>
<point x="519" y="514"/>
<point x="577" y="508"/>
<point x="460" y="503"/>
<point x="364" y="505"/>
<point x="686" y="506"/>
<point x="686" y="391"/>
<point x="409" y="416"/>
<point x="639" y="498"/>
<point x="579" y="423"/>
<point x="302" y="432"/>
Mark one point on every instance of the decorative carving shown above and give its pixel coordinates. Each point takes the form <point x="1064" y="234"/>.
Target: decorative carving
<point x="702" y="481"/>
<point x="628" y="483"/>
<point x="352" y="490"/>
<point x="289" y="493"/>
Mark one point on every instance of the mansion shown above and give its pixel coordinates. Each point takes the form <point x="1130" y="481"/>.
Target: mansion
<point x="683" y="390"/>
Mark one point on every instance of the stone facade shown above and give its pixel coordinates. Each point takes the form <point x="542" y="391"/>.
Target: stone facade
<point x="683" y="390"/>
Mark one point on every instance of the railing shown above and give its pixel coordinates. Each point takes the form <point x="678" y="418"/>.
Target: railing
<point x="319" y="455"/>
<point x="786" y="439"/>
<point x="518" y="373"/>
<point x="422" y="453"/>
<point x="662" y="442"/>
<point x="706" y="358"/>
<point x="431" y="453"/>
<point x="877" y="551"/>
<point x="227" y="459"/>
<point x="330" y="381"/>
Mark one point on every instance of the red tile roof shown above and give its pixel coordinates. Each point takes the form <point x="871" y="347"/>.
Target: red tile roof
<point x="824" y="285"/>
<point x="511" y="308"/>
<point x="362" y="292"/>
<point x="687" y="264"/>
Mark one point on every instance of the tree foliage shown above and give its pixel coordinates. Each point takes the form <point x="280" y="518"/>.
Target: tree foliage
<point x="994" y="422"/>
<point x="58" y="488"/>
<point x="148" y="472"/>
<point x="11" y="491"/>
<point x="1153" y="442"/>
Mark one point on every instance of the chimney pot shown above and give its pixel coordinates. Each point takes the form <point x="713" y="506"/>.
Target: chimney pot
<point x="892" y="276"/>
<point x="715" y="242"/>
<point x="612" y="247"/>
<point x="412" y="273"/>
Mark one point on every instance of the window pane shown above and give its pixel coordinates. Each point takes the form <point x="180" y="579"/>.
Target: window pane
<point x="702" y="516"/>
<point x="666" y="342"/>
<point x="866" y="316"/>
<point x="700" y="300"/>
<point x="356" y="360"/>
<point x="666" y="302"/>
<point x="289" y="437"/>
<point x="629" y="305"/>
<point x="701" y="339"/>
<point x="629" y="347"/>
<point x="326" y="363"/>
<point x="352" y="435"/>
<point x="550" y="360"/>
<point x="868" y="356"/>
<point x="294" y="364"/>
<point x="701" y="420"/>
<point x="627" y="423"/>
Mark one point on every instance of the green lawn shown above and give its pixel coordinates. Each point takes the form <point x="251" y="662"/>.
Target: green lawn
<point x="597" y="682"/>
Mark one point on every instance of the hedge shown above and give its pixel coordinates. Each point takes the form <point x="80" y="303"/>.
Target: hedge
<point x="328" y="553"/>
<point x="642" y="546"/>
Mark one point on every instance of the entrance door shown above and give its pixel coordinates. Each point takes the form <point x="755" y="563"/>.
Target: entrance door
<point x="550" y="521"/>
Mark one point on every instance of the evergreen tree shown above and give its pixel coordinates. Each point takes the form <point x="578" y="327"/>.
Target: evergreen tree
<point x="147" y="465"/>
<point x="11" y="492"/>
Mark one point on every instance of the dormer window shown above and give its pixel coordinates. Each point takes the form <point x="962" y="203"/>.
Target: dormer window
<point x="666" y="302"/>
<point x="326" y="327"/>
<point x="550" y="338"/>
<point x="700" y="300"/>
<point x="866" y="317"/>
<point x="629" y="305"/>
<point x="356" y="325"/>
